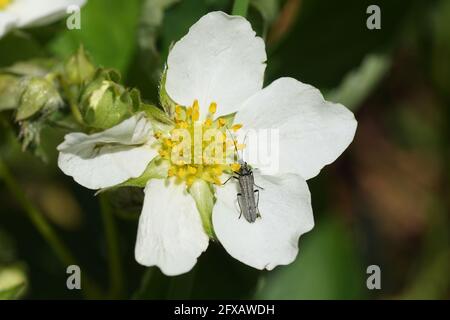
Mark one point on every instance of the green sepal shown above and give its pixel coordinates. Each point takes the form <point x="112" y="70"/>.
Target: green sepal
<point x="159" y="119"/>
<point x="229" y="119"/>
<point x="203" y="194"/>
<point x="156" y="169"/>
<point x="166" y="102"/>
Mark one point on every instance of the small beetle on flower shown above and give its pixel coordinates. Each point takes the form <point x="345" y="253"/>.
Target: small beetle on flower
<point x="215" y="71"/>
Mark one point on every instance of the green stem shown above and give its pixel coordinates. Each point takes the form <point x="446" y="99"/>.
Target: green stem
<point x="36" y="217"/>
<point x="44" y="228"/>
<point x="115" y="266"/>
<point x="240" y="8"/>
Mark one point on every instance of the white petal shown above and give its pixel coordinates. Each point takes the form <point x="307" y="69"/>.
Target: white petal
<point x="220" y="60"/>
<point x="110" y="157"/>
<point x="170" y="233"/>
<point x="7" y="22"/>
<point x="272" y="240"/>
<point x="312" y="132"/>
<point x="40" y="12"/>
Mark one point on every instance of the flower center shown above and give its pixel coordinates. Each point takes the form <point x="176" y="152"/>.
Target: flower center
<point x="199" y="149"/>
<point x="4" y="4"/>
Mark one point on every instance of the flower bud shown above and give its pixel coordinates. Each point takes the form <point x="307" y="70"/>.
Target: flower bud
<point x="78" y="69"/>
<point x="104" y="103"/>
<point x="38" y="94"/>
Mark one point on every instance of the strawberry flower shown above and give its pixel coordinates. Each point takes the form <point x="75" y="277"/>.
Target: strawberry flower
<point x="215" y="75"/>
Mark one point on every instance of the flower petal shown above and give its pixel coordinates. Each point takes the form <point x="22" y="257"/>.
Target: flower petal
<point x="7" y="22"/>
<point x="37" y="13"/>
<point x="110" y="157"/>
<point x="286" y="213"/>
<point x="220" y="60"/>
<point x="312" y="132"/>
<point x="170" y="233"/>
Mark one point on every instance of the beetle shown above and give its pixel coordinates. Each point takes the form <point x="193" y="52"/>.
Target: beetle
<point x="248" y="196"/>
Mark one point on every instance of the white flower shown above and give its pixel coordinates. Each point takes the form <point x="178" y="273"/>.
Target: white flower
<point x="218" y="68"/>
<point x="32" y="13"/>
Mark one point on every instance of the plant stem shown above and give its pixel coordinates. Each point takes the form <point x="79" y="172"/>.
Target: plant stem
<point x="36" y="217"/>
<point x="44" y="228"/>
<point x="240" y="8"/>
<point x="115" y="266"/>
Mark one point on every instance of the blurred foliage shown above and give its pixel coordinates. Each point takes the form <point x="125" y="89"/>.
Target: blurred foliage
<point x="328" y="267"/>
<point x="385" y="202"/>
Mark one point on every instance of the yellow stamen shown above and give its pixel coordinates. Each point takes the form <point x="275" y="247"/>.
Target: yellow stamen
<point x="222" y="122"/>
<point x="240" y="146"/>
<point x="192" y="170"/>
<point x="195" y="115"/>
<point x="195" y="105"/>
<point x="208" y="163"/>
<point x="212" y="108"/>
<point x="217" y="171"/>
<point x="181" y="172"/>
<point x="182" y="124"/>
<point x="163" y="153"/>
<point x="208" y="122"/>
<point x="172" y="171"/>
<point x="168" y="142"/>
<point x="236" y="127"/>
<point x="157" y="134"/>
<point x="190" y="180"/>
<point x="235" y="167"/>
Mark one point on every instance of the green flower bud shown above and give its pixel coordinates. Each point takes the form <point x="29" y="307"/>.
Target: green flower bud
<point x="104" y="103"/>
<point x="39" y="94"/>
<point x="79" y="68"/>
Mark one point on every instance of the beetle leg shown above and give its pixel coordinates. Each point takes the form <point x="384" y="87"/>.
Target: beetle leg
<point x="257" y="203"/>
<point x="258" y="186"/>
<point x="239" y="197"/>
<point x="230" y="179"/>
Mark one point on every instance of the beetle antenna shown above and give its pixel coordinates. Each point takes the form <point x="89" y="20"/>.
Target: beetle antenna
<point x="234" y="142"/>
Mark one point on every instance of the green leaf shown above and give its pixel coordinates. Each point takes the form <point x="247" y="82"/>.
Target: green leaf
<point x="329" y="39"/>
<point x="108" y="29"/>
<point x="13" y="282"/>
<point x="203" y="195"/>
<point x="359" y="83"/>
<point x="327" y="267"/>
